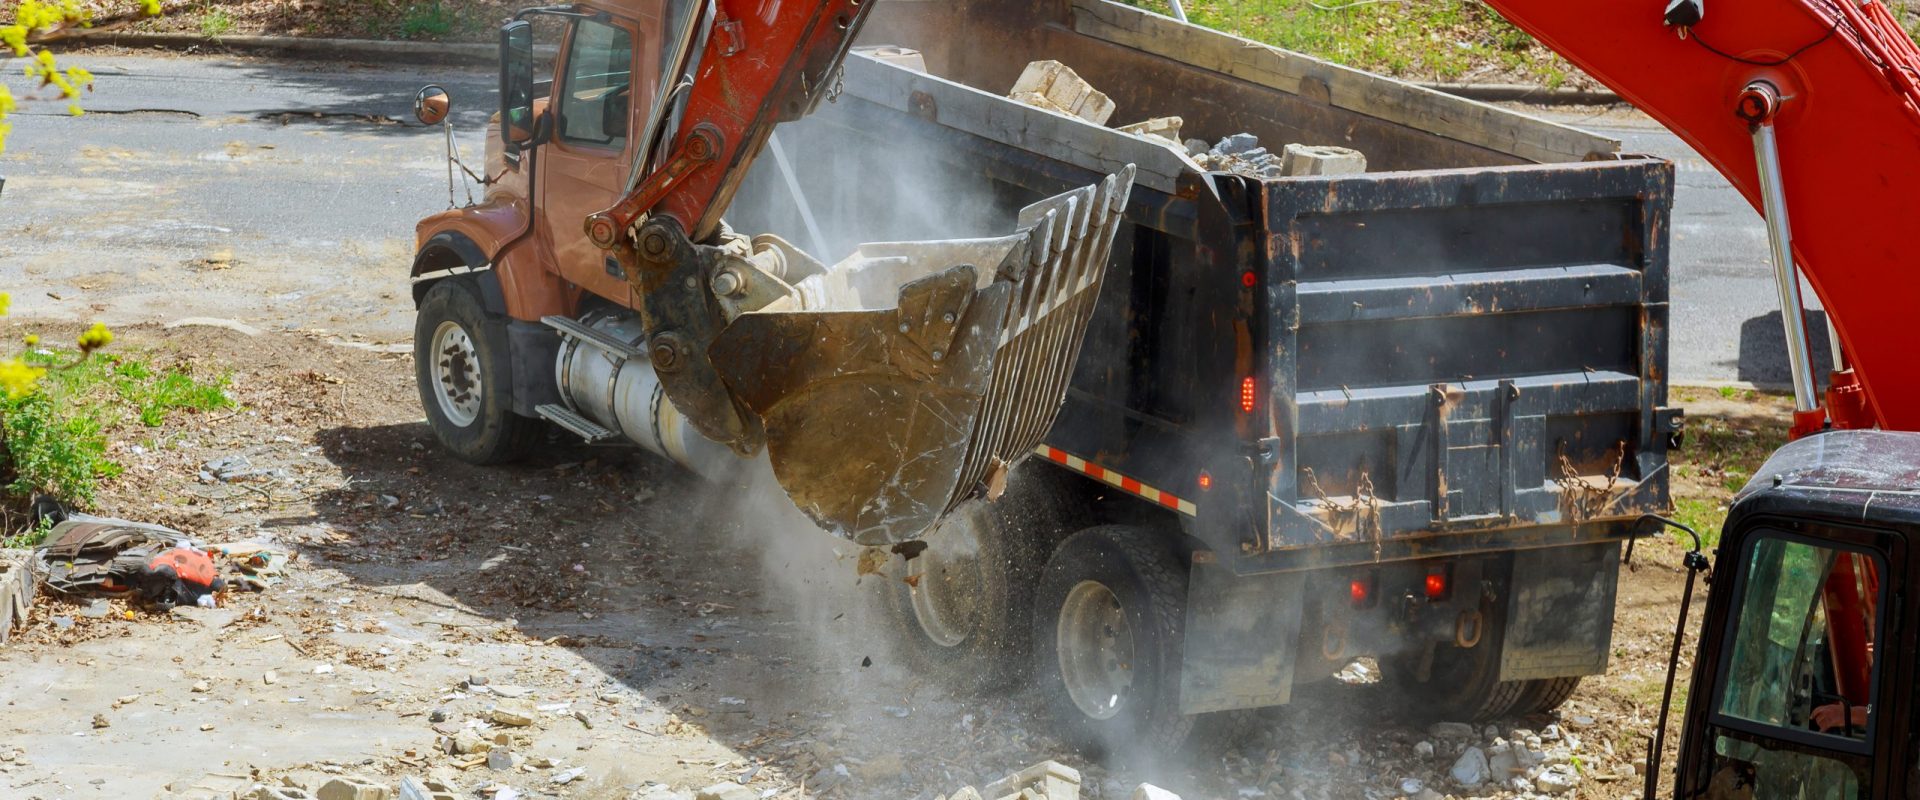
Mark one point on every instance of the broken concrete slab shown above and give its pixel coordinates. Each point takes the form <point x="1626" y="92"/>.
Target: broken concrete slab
<point x="280" y="793"/>
<point x="412" y="788"/>
<point x="1164" y="127"/>
<point x="354" y="788"/>
<point x="1056" y="87"/>
<point x="17" y="584"/>
<point x="1050" y="779"/>
<point x="727" y="791"/>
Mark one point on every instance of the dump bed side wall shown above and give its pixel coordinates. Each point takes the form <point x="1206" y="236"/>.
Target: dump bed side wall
<point x="1151" y="66"/>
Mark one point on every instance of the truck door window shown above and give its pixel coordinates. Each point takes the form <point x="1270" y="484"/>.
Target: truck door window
<point x="1795" y="706"/>
<point x="598" y="91"/>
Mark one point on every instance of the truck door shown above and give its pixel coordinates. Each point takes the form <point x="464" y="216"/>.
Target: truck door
<point x="1795" y="705"/>
<point x="608" y="70"/>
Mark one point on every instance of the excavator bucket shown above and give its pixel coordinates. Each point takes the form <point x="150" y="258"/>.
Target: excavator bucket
<point x="909" y="377"/>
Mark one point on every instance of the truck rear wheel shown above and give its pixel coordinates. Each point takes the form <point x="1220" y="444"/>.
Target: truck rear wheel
<point x="460" y="359"/>
<point x="1544" y="695"/>
<point x="1463" y="685"/>
<point x="1107" y="636"/>
<point x="961" y="608"/>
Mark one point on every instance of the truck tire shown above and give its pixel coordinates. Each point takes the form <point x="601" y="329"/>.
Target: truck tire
<point x="1107" y="634"/>
<point x="1462" y="686"/>
<point x="460" y="357"/>
<point x="961" y="609"/>
<point x="1544" y="695"/>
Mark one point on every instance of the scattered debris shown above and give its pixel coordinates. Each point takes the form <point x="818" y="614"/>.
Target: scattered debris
<point x="1471" y="769"/>
<point x="18" y="579"/>
<point x="510" y="716"/>
<point x="1051" y="780"/>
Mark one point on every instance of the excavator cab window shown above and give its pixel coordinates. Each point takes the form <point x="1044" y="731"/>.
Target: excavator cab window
<point x="1794" y="713"/>
<point x="599" y="86"/>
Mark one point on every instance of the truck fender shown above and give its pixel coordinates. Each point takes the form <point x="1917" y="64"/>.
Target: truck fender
<point x="451" y="253"/>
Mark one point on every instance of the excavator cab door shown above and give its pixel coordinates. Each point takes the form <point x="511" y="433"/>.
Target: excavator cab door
<point x="1800" y="677"/>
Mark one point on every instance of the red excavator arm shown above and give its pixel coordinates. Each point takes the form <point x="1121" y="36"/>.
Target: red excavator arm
<point x="1840" y="83"/>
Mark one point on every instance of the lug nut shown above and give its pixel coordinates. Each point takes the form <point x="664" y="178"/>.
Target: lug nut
<point x="728" y="283"/>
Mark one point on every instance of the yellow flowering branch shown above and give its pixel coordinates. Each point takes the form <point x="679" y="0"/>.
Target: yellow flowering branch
<point x="20" y="377"/>
<point x="35" y="18"/>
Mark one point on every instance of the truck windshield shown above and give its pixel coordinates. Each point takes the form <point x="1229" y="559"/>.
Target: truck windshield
<point x="1795" y="707"/>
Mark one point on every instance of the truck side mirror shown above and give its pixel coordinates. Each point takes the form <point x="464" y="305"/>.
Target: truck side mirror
<point x="517" y="125"/>
<point x="431" y="105"/>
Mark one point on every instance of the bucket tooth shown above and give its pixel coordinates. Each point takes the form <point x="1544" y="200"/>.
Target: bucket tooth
<point x="892" y="384"/>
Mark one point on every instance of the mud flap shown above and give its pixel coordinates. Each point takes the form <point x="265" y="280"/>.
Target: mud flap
<point x="902" y="381"/>
<point x="1241" y="639"/>
<point x="1560" y="612"/>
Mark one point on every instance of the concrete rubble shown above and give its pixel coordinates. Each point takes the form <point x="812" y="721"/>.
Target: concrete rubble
<point x="17" y="587"/>
<point x="1056" y="87"/>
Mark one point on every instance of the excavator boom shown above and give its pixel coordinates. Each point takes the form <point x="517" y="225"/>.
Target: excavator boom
<point x="1845" y="131"/>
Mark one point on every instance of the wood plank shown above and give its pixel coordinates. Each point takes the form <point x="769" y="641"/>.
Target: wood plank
<point x="1468" y="121"/>
<point x="1058" y="136"/>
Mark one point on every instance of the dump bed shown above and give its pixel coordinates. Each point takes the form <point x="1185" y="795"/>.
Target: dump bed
<point x="1461" y="350"/>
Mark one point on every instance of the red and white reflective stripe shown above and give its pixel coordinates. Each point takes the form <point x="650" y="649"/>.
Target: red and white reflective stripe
<point x="1115" y="479"/>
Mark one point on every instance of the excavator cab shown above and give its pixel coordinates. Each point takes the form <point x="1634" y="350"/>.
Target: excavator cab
<point x="1804" y="664"/>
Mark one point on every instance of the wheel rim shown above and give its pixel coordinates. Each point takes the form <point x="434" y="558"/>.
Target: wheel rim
<point x="944" y="582"/>
<point x="1096" y="650"/>
<point x="456" y="370"/>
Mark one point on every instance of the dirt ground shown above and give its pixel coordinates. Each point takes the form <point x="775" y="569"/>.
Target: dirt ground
<point x="662" y="634"/>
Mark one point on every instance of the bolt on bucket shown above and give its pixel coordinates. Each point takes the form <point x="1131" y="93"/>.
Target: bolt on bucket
<point x="911" y="376"/>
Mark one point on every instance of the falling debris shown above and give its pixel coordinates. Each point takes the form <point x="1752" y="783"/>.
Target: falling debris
<point x="1055" y="87"/>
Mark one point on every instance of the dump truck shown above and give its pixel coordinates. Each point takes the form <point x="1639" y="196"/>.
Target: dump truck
<point x="1220" y="433"/>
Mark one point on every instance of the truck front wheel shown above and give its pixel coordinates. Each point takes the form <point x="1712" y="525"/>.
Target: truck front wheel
<point x="461" y="364"/>
<point x="1107" y="637"/>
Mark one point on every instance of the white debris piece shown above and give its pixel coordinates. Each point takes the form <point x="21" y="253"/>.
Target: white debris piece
<point x="1148" y="791"/>
<point x="1470" y="770"/>
<point x="1056" y="87"/>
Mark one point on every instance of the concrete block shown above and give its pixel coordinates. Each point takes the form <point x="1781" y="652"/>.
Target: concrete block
<point x="354" y="788"/>
<point x="412" y="788"/>
<point x="280" y="793"/>
<point x="1062" y="90"/>
<point x="1236" y="144"/>
<point x="1050" y="779"/>
<point x="1303" y="159"/>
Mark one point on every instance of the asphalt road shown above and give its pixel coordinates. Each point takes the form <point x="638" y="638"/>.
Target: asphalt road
<point x="284" y="195"/>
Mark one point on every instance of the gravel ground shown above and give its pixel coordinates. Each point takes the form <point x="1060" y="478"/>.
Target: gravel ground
<point x="659" y="635"/>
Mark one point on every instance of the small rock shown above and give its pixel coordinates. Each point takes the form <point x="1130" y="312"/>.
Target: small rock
<point x="1148" y="791"/>
<point x="440" y="714"/>
<point x="1491" y="732"/>
<point x="1411" y="786"/>
<point x="1235" y="144"/>
<point x="727" y="790"/>
<point x="1429" y="794"/>
<point x="97" y="609"/>
<point x="101" y="721"/>
<point x="1423" y="749"/>
<point x="574" y="774"/>
<point x="61" y="622"/>
<point x="1581" y="722"/>
<point x="476" y="680"/>
<point x="206" y="726"/>
<point x="279" y="793"/>
<point x="270" y="678"/>
<point x="502" y="759"/>
<point x="509" y="691"/>
<point x="511" y="716"/>
<point x="1557" y="779"/>
<point x="202" y="687"/>
<point x="1470" y="770"/>
<point x="468" y="743"/>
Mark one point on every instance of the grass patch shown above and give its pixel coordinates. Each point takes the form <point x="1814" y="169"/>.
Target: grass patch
<point x="1443" y="40"/>
<point x="215" y="23"/>
<point x="427" y="21"/>
<point x="56" y="441"/>
<point x="1730" y="433"/>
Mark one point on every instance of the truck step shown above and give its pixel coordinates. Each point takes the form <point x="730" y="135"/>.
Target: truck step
<point x="568" y="326"/>
<point x="562" y="416"/>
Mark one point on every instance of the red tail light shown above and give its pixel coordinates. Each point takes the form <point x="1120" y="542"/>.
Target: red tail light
<point x="1437" y="584"/>
<point x="1246" y="394"/>
<point x="1360" y="591"/>
<point x="1206" y="481"/>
